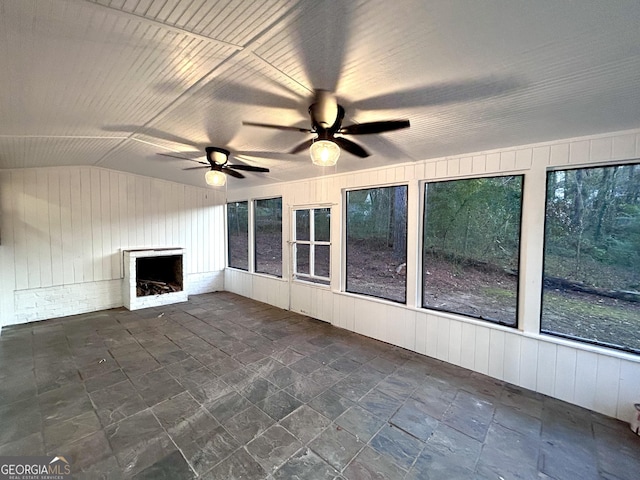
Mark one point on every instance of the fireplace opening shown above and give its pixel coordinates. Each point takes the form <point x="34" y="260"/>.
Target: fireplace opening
<point x="158" y="275"/>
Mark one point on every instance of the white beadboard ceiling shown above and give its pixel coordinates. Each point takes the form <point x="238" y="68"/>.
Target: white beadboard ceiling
<point x="114" y="83"/>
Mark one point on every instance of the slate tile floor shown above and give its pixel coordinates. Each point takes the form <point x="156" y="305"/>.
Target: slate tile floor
<point x="222" y="387"/>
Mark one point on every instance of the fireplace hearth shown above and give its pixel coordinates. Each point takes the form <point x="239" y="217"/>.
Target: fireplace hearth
<point x="153" y="277"/>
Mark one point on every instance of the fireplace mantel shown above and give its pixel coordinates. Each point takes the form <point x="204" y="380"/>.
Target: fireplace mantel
<point x="130" y="258"/>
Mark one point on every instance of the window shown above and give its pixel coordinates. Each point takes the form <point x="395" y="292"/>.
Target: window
<point x="471" y="237"/>
<point x="591" y="287"/>
<point x="312" y="246"/>
<point x="238" y="234"/>
<point x="377" y="242"/>
<point x="268" y="236"/>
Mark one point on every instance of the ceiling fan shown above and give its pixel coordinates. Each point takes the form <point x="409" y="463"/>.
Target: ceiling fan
<point x="326" y="123"/>
<point x="218" y="166"/>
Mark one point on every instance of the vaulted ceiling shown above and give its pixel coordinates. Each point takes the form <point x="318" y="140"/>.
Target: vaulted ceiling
<point x="115" y="83"/>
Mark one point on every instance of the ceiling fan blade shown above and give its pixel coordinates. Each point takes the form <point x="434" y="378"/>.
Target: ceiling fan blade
<point x="351" y="147"/>
<point x="279" y="127"/>
<point x="441" y="94"/>
<point x="248" y="168"/>
<point x="374" y="127"/>
<point x="180" y="157"/>
<point x="151" y="132"/>
<point x="196" y="168"/>
<point x="303" y="146"/>
<point x="232" y="173"/>
<point x="236" y="93"/>
<point x="322" y="31"/>
<point x="261" y="154"/>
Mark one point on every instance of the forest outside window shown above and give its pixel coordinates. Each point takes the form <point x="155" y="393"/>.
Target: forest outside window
<point x="312" y="245"/>
<point x="471" y="244"/>
<point x="268" y="236"/>
<point x="591" y="284"/>
<point x="376" y="243"/>
<point x="238" y="235"/>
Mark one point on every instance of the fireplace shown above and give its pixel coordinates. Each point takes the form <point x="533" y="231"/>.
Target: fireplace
<point x="153" y="277"/>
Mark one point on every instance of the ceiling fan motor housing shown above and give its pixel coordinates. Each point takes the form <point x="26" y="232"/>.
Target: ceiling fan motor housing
<point x="325" y="110"/>
<point x="217" y="156"/>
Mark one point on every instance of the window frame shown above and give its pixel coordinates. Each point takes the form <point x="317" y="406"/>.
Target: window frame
<point x="255" y="236"/>
<point x="228" y="243"/>
<point x="345" y="250"/>
<point x="560" y="335"/>
<point x="310" y="277"/>
<point x="422" y="227"/>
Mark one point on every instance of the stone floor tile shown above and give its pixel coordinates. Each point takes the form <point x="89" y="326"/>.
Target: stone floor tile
<point x="279" y="405"/>
<point x="336" y="446"/>
<point x="412" y="419"/>
<point x="85" y="452"/>
<point x="206" y="393"/>
<point x="183" y="367"/>
<point x="105" y="380"/>
<point x="31" y="445"/>
<point x="117" y="402"/>
<point x="304" y="389"/>
<point x="129" y="431"/>
<point x="453" y="446"/>
<point x="175" y="410"/>
<point x="518" y="421"/>
<point x="284" y="377"/>
<point x="433" y="466"/>
<point x="207" y="450"/>
<point x="148" y="451"/>
<point x="287" y="356"/>
<point x="171" y="467"/>
<point x="380" y="403"/>
<point x="326" y="376"/>
<point x="469" y="415"/>
<point x="16" y="388"/>
<point x="305" y="423"/>
<point x="345" y="365"/>
<point x="398" y="445"/>
<point x="273" y="447"/>
<point x="248" y="424"/>
<point x="64" y="403"/>
<point x="362" y="423"/>
<point x="305" y="464"/>
<point x="70" y="430"/>
<point x="371" y="465"/>
<point x="19" y="419"/>
<point x="305" y="366"/>
<point x="156" y="386"/>
<point x="356" y="385"/>
<point x="227" y="406"/>
<point x="239" y="466"/>
<point x="330" y="404"/>
<point x="464" y="425"/>
<point x="258" y="390"/>
<point x="105" y="469"/>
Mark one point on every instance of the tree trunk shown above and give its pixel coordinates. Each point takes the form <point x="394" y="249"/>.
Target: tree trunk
<point x="400" y="223"/>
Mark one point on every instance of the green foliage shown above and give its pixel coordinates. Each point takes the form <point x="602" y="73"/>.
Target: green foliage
<point x="268" y="215"/>
<point x="475" y="220"/>
<point x="374" y="214"/>
<point x="238" y="218"/>
<point x="593" y="225"/>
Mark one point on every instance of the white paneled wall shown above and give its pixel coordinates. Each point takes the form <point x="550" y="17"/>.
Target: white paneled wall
<point x="603" y="380"/>
<point x="62" y="231"/>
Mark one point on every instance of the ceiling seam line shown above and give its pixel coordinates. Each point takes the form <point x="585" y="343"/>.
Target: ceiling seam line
<point x="199" y="82"/>
<point x="158" y="23"/>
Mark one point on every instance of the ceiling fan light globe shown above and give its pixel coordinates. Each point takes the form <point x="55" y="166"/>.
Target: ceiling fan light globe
<point x="324" y="153"/>
<point x="215" y="178"/>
